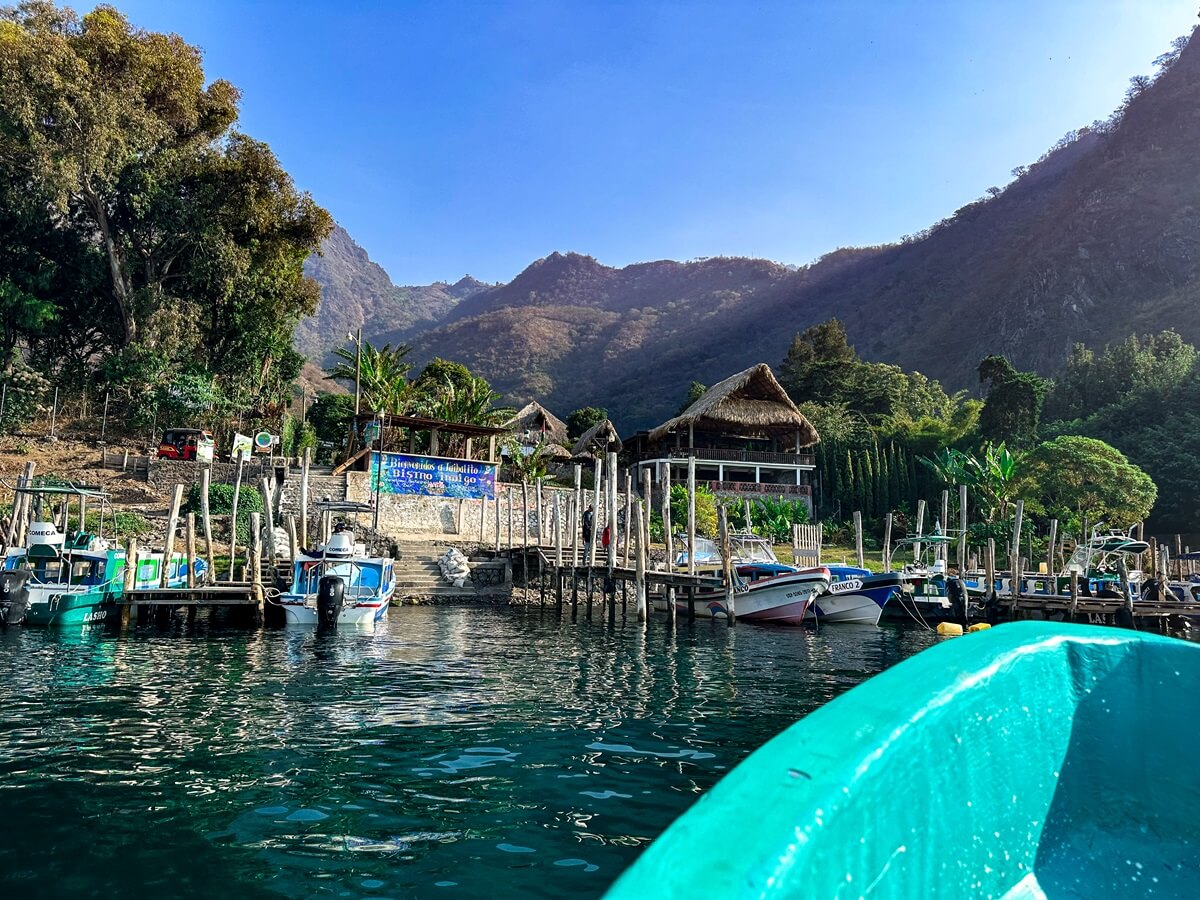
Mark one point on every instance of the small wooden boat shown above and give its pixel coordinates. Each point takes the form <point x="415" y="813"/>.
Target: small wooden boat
<point x="1031" y="760"/>
<point x="855" y="596"/>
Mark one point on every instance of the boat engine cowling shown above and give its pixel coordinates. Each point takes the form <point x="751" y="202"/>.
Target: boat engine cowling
<point x="331" y="597"/>
<point x="14" y="596"/>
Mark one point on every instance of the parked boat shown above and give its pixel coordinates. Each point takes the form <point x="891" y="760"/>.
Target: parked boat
<point x="765" y="590"/>
<point x="71" y="579"/>
<point x="926" y="596"/>
<point x="855" y="596"/>
<point x="1032" y="760"/>
<point x="339" y="584"/>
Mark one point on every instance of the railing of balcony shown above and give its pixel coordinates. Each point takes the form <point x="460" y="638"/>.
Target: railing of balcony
<point x="744" y="456"/>
<point x="751" y="487"/>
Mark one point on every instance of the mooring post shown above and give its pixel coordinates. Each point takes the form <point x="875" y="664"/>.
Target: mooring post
<point x="497" y="535"/>
<point x="525" y="521"/>
<point x="508" y="510"/>
<point x="558" y="551"/>
<point x="268" y="493"/>
<point x="691" y="515"/>
<point x="640" y="570"/>
<point x="726" y="563"/>
<point x="1074" y="594"/>
<point x="858" y="538"/>
<point x="293" y="540"/>
<point x="597" y="521"/>
<point x="189" y="543"/>
<point x="611" y="554"/>
<point x="887" y="543"/>
<point x="1051" y="574"/>
<point x="990" y="593"/>
<point x="304" y="496"/>
<point x="255" y="547"/>
<point x="539" y="533"/>
<point x="233" y="511"/>
<point x="206" y="523"/>
<point x="169" y="540"/>
<point x="962" y="534"/>
<point x="129" y="582"/>
<point x="669" y="544"/>
<point x="628" y="519"/>
<point x="917" y="547"/>
<point x="1018" y="578"/>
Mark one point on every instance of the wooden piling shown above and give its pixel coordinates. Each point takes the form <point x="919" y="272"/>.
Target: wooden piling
<point x="539" y="534"/>
<point x="255" y="547"/>
<point x="189" y="544"/>
<point x="169" y="539"/>
<point x="991" y="569"/>
<point x="558" y="552"/>
<point x="508" y="509"/>
<point x="525" y="524"/>
<point x="669" y="541"/>
<point x="597" y="521"/>
<point x="943" y="548"/>
<point x="1051" y="574"/>
<point x="640" y="571"/>
<point x="1074" y="594"/>
<point x="962" y="531"/>
<point x="576" y="516"/>
<point x="206" y="523"/>
<point x="858" y="538"/>
<point x="129" y="581"/>
<point x="726" y="562"/>
<point x="691" y="524"/>
<point x="233" y="511"/>
<point x="293" y="540"/>
<point x="920" y="530"/>
<point x="268" y="492"/>
<point x="497" y="535"/>
<point x="304" y="496"/>
<point x="887" y="543"/>
<point x="628" y="517"/>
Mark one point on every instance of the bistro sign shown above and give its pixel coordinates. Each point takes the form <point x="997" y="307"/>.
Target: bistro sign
<point x="432" y="476"/>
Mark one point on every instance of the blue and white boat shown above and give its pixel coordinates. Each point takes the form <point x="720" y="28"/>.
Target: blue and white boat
<point x="338" y="584"/>
<point x="855" y="596"/>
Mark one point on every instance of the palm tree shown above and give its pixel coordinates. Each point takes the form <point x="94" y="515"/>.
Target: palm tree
<point x="467" y="400"/>
<point x="383" y="374"/>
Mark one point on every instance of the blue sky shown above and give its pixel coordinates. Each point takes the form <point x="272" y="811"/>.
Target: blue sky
<point x="454" y="138"/>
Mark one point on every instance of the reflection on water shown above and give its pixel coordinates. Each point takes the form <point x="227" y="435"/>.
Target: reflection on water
<point x="450" y="752"/>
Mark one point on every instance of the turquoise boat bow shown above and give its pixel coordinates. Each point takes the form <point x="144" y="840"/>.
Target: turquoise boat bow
<point x="1032" y="760"/>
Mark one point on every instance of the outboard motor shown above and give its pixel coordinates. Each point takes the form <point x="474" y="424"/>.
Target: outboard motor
<point x="14" y="596"/>
<point x="957" y="595"/>
<point x="331" y="597"/>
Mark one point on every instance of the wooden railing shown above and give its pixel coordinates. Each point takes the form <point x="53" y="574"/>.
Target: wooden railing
<point x="744" y="456"/>
<point x="751" y="487"/>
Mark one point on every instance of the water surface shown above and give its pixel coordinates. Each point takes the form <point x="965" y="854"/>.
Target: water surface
<point x="451" y="752"/>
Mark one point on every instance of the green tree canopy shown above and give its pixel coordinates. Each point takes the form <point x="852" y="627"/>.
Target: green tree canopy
<point x="1012" y="409"/>
<point x="1072" y="476"/>
<point x="695" y="392"/>
<point x="579" y="421"/>
<point x="381" y="373"/>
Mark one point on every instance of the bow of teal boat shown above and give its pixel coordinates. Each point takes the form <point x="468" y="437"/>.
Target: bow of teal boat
<point x="1030" y="760"/>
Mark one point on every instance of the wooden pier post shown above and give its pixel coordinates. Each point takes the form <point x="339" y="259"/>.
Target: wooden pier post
<point x="293" y="540"/>
<point x="887" y="543"/>
<point x="611" y="519"/>
<point x="640" y="571"/>
<point x="129" y="581"/>
<point x="497" y="535"/>
<point x="1179" y="574"/>
<point x="206" y="523"/>
<point x="1074" y="594"/>
<point x="962" y="533"/>
<point x="233" y="511"/>
<point x="597" y="521"/>
<point x="795" y="543"/>
<point x="1051" y="574"/>
<point x="268" y="492"/>
<point x="525" y="522"/>
<point x="189" y="543"/>
<point x="691" y="516"/>
<point x="990" y="574"/>
<point x="1018" y="576"/>
<point x="727" y="562"/>
<point x="558" y="552"/>
<point x="746" y="515"/>
<point x="575" y="519"/>
<point x="255" y="547"/>
<point x="169" y="539"/>
<point x="858" y="538"/>
<point x="19" y="505"/>
<point x="669" y="541"/>
<point x="944" y="548"/>
<point x="628" y="517"/>
<point x="539" y="534"/>
<point x="920" y="530"/>
<point x="508" y="509"/>
<point x="304" y="465"/>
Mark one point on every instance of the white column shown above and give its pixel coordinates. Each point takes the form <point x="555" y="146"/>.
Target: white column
<point x="798" y="481"/>
<point x="757" y="475"/>
<point x="720" y="472"/>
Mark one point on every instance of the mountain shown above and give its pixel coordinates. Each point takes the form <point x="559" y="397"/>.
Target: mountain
<point x="356" y="291"/>
<point x="1098" y="239"/>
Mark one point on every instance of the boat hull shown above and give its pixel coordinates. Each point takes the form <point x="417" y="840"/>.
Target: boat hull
<point x="58" y="608"/>
<point x="298" y="613"/>
<point x="1000" y="738"/>
<point x="782" y="600"/>
<point x="859" y="599"/>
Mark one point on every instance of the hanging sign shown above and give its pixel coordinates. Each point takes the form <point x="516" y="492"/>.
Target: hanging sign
<point x="432" y="476"/>
<point x="263" y="441"/>
<point x="242" y="445"/>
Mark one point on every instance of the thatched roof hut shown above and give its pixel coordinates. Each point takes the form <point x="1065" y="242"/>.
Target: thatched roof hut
<point x="535" y="419"/>
<point x="750" y="403"/>
<point x="599" y="439"/>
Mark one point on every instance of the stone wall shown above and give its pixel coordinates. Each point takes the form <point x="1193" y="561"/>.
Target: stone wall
<point x="164" y="474"/>
<point x="402" y="516"/>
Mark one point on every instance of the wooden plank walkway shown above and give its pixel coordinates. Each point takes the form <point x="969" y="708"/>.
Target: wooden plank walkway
<point x="207" y="595"/>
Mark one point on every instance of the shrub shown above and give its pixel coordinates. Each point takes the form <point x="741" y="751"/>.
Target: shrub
<point x="26" y="389"/>
<point x="220" y="503"/>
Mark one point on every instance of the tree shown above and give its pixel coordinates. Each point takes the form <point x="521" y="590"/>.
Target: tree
<point x="820" y="364"/>
<point x="382" y="373"/>
<point x="1012" y="409"/>
<point x="695" y="392"/>
<point x="1072" y="477"/>
<point x="330" y="416"/>
<point x="584" y="418"/>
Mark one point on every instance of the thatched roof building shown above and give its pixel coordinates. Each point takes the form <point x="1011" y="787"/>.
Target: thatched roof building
<point x="751" y="403"/>
<point x="534" y="419"/>
<point x="601" y="438"/>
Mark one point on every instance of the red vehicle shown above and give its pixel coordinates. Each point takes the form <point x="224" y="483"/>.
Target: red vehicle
<point x="182" y="443"/>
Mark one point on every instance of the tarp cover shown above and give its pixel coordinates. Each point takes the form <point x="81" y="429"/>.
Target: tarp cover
<point x="1031" y="760"/>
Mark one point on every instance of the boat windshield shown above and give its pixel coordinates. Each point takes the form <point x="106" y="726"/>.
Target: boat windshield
<point x="750" y="548"/>
<point x="84" y="572"/>
<point x="362" y="579"/>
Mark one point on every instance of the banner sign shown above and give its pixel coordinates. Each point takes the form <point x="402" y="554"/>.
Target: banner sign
<point x="432" y="476"/>
<point x="243" y="444"/>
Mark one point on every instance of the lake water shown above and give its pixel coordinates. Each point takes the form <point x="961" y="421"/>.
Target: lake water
<point x="452" y="752"/>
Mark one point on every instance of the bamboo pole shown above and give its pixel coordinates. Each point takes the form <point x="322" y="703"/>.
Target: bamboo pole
<point x="858" y="538"/>
<point x="304" y="496"/>
<point x="169" y="540"/>
<point x="189" y="544"/>
<point x="233" y="510"/>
